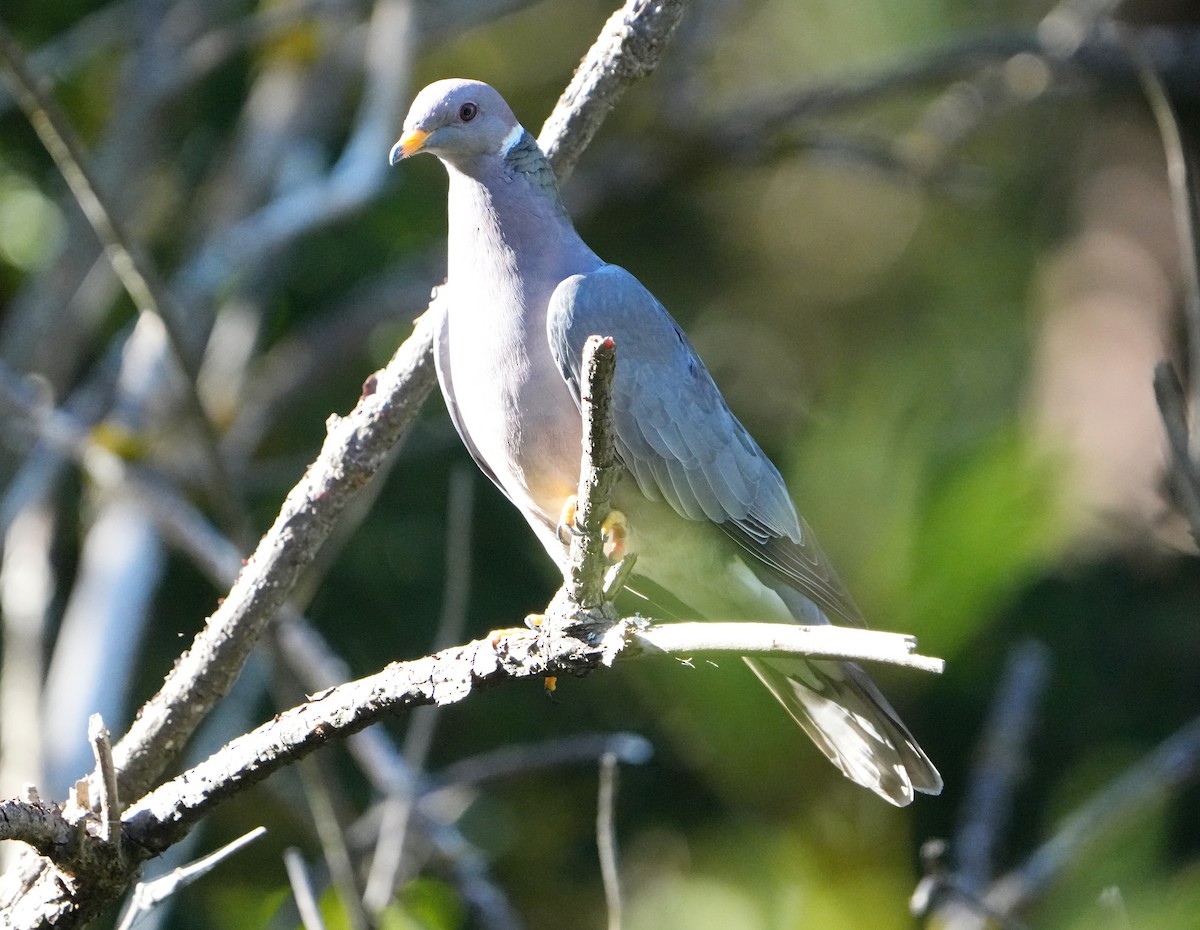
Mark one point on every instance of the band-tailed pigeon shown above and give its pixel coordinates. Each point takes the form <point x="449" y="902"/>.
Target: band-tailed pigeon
<point x="706" y="512"/>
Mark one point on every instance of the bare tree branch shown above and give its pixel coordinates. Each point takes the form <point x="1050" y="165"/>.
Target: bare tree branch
<point x="1000" y="762"/>
<point x="1181" y="177"/>
<point x="27" y="587"/>
<point x="783" y="639"/>
<point x="40" y="825"/>
<point x="1174" y="763"/>
<point x="1179" y="415"/>
<point x="302" y="890"/>
<point x="334" y="848"/>
<point x="445" y="677"/>
<point x="166" y="814"/>
<point x="606" y="838"/>
<point x="353" y="449"/>
<point x="422" y="724"/>
<point x="629" y="47"/>
<point x="148" y="895"/>
<point x="1183" y="473"/>
<point x="106" y="781"/>
<point x="138" y="277"/>
<point x="955" y="898"/>
<point x="583" y="581"/>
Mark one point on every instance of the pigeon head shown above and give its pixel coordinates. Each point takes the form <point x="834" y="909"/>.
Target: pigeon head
<point x="458" y="120"/>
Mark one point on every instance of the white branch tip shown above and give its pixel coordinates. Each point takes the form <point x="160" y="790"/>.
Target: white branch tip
<point x="779" y="639"/>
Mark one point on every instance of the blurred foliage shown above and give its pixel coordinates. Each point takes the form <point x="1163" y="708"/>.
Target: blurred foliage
<point x="877" y="327"/>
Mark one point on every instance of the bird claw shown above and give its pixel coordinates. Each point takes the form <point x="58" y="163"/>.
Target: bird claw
<point x="614" y="531"/>
<point x="566" y="522"/>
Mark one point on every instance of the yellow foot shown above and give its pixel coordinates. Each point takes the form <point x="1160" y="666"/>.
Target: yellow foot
<point x="534" y="621"/>
<point x="614" y="531"/>
<point x="566" y="522"/>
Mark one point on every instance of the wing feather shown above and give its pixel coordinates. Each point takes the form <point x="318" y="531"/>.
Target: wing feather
<point x="678" y="438"/>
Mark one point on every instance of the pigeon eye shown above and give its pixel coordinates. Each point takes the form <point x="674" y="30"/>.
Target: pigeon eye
<point x="467" y="112"/>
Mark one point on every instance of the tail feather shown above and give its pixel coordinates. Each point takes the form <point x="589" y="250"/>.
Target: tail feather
<point x="847" y="716"/>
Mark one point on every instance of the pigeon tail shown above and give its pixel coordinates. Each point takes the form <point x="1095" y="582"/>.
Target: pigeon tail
<point x="850" y="720"/>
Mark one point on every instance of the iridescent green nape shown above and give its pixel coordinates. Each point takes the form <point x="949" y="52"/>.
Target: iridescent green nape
<point x="526" y="158"/>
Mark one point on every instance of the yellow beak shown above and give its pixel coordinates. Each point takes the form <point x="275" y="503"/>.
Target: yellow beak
<point x="409" y="144"/>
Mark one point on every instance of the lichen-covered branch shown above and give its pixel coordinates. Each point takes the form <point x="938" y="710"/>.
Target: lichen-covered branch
<point x="447" y="677"/>
<point x="583" y="581"/>
<point x="354" y="448"/>
<point x="629" y="47"/>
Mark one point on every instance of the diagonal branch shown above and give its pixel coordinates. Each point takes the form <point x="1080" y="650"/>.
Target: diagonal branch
<point x="1181" y="178"/>
<point x="136" y="274"/>
<point x="1172" y="764"/>
<point x="629" y="47"/>
<point x="165" y="815"/>
<point x="354" y="448"/>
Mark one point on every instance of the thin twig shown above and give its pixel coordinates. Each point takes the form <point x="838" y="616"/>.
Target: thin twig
<point x="148" y="895"/>
<point x="956" y="898"/>
<point x="1000" y="762"/>
<point x="606" y="838"/>
<point x="302" y="890"/>
<point x="456" y="589"/>
<point x="1174" y="763"/>
<point x="333" y="842"/>
<point x="1181" y="178"/>
<point x="135" y="272"/>
<point x="1184" y="475"/>
<point x="105" y="783"/>
<point x="1179" y="416"/>
<point x="397" y="808"/>
<point x="507" y="761"/>
<point x="418" y="740"/>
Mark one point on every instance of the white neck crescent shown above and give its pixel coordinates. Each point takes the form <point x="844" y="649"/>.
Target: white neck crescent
<point x="511" y="139"/>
